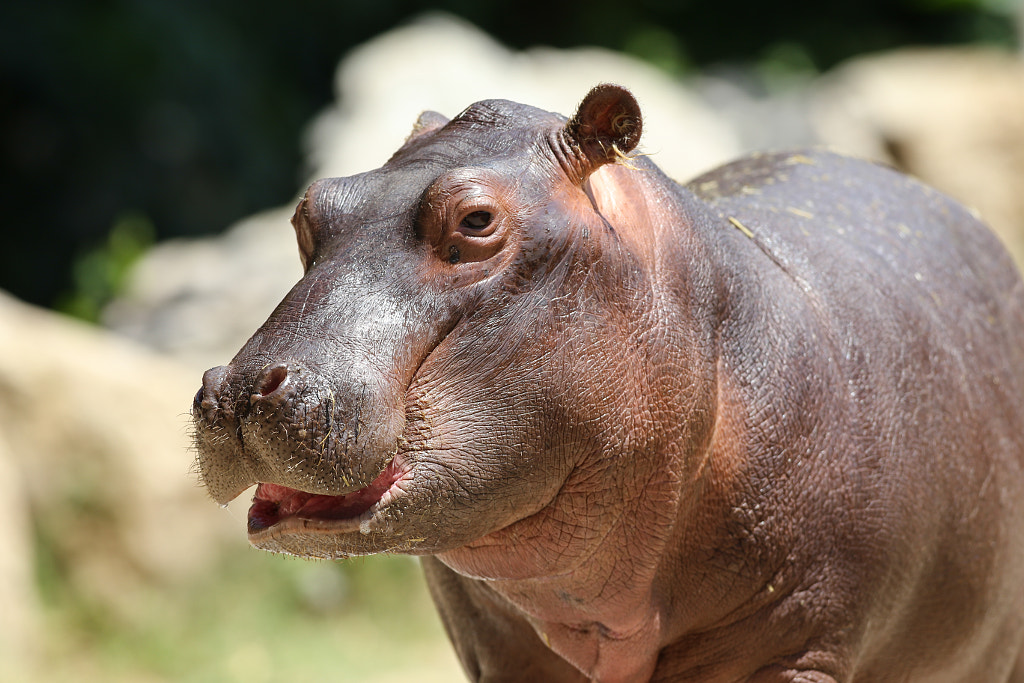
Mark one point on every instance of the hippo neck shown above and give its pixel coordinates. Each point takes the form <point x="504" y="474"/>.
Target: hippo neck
<point x="607" y="608"/>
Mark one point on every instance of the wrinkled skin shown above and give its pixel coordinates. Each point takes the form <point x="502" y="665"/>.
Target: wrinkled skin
<point x="764" y="427"/>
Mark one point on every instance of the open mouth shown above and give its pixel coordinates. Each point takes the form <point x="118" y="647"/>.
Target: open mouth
<point x="274" y="503"/>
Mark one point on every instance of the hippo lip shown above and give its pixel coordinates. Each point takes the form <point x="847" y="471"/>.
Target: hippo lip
<point x="275" y="507"/>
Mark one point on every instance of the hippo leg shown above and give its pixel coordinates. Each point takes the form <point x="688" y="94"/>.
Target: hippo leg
<point x="493" y="644"/>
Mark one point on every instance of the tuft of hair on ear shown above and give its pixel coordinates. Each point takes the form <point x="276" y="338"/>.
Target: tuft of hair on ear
<point x="427" y="122"/>
<point x="606" y="127"/>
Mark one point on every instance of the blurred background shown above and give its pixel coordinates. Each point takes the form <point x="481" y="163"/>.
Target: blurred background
<point x="152" y="152"/>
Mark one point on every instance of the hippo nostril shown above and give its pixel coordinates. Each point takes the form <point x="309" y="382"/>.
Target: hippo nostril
<point x="215" y="380"/>
<point x="272" y="379"/>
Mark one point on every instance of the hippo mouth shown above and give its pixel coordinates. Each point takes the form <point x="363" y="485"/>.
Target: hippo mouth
<point x="280" y="508"/>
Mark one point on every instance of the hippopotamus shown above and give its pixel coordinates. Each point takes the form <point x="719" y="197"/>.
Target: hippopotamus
<point x="765" y="426"/>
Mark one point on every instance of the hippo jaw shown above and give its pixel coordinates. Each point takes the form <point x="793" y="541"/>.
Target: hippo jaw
<point x="310" y="479"/>
<point x="284" y="424"/>
<point x="324" y="446"/>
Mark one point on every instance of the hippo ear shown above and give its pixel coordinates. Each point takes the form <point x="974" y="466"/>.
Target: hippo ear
<point x="606" y="126"/>
<point x="427" y="122"/>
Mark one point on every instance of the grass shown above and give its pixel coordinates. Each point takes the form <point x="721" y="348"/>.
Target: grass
<point x="260" y="617"/>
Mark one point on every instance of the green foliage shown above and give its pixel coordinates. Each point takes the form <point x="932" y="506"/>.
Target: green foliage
<point x="658" y="46"/>
<point x="785" y="65"/>
<point x="99" y="273"/>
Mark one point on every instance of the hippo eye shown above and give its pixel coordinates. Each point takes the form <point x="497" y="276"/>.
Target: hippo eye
<point x="478" y="220"/>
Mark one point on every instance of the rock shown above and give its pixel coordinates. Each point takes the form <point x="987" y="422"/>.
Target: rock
<point x="19" y="618"/>
<point x="952" y="117"/>
<point x="199" y="300"/>
<point x="97" y="451"/>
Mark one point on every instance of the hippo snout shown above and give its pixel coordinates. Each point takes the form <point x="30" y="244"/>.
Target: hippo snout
<point x="292" y="425"/>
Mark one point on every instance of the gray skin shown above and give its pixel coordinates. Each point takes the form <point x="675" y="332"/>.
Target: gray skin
<point x="767" y="426"/>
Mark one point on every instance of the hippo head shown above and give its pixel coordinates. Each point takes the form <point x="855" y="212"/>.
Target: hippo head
<point x="434" y="376"/>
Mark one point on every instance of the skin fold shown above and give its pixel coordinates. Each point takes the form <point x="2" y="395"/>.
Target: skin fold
<point x="764" y="427"/>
